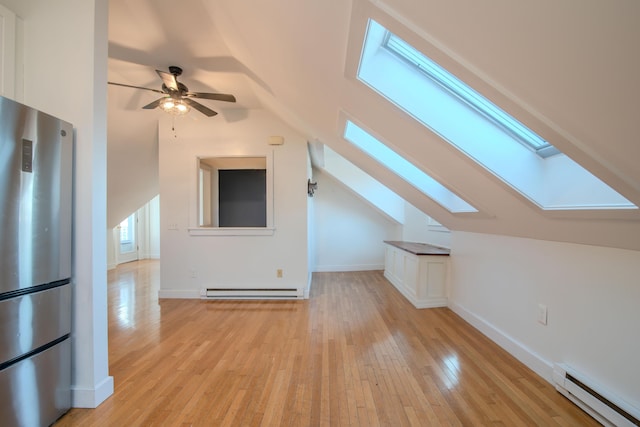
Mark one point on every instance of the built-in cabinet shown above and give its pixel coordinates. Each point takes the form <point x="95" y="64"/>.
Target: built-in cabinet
<point x="419" y="271"/>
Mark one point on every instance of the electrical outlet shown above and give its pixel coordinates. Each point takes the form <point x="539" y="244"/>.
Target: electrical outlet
<point x="193" y="273"/>
<point x="542" y="314"/>
<point x="279" y="273"/>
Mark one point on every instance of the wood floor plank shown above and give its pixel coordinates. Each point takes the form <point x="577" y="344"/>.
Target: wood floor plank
<point x="355" y="354"/>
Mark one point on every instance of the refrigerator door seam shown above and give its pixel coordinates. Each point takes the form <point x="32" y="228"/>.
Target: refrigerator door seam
<point x="34" y="289"/>
<point x="40" y="349"/>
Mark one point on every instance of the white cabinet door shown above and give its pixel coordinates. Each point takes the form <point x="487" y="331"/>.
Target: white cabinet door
<point x="422" y="279"/>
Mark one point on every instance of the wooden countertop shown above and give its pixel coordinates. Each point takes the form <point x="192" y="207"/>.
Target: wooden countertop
<point x="419" y="248"/>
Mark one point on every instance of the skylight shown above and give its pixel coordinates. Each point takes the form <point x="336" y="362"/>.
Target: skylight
<point x="458" y="115"/>
<point x="405" y="169"/>
<point x="460" y="89"/>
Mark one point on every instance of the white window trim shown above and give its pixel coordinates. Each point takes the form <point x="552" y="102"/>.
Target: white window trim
<point x="269" y="230"/>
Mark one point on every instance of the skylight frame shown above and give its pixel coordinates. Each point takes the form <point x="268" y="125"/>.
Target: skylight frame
<point x="465" y="93"/>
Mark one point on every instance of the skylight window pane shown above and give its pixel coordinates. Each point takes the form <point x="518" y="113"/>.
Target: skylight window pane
<point x="405" y="169"/>
<point x="488" y="135"/>
<point x="468" y="95"/>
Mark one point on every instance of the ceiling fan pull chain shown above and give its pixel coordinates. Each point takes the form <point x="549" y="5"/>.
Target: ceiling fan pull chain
<point x="173" y="127"/>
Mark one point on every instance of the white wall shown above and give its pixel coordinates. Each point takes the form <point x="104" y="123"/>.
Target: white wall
<point x="348" y="231"/>
<point x="152" y="227"/>
<point x="190" y="263"/>
<point x="419" y="227"/>
<point x="148" y="229"/>
<point x="112" y="254"/>
<point x="132" y="162"/>
<point x="311" y="232"/>
<point x="10" y="42"/>
<point x="65" y="71"/>
<point x="592" y="294"/>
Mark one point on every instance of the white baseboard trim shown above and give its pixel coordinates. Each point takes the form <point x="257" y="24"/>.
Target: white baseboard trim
<point x="179" y="293"/>
<point x="92" y="397"/>
<point x="355" y="267"/>
<point x="525" y="355"/>
<point x="431" y="303"/>
<point x="197" y="293"/>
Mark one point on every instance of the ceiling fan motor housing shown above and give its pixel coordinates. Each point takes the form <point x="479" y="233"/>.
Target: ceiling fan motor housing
<point x="176" y="71"/>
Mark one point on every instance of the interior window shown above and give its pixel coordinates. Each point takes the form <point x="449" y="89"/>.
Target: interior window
<point x="232" y="192"/>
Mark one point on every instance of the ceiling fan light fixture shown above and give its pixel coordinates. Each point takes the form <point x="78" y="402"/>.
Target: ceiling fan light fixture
<point x="174" y="106"/>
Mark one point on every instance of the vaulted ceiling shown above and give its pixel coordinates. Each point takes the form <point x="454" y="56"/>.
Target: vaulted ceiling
<point x="571" y="65"/>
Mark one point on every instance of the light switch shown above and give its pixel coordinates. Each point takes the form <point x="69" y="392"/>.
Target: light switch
<point x="542" y="314"/>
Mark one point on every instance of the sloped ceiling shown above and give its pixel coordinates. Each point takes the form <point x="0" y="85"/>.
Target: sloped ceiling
<point x="573" y="65"/>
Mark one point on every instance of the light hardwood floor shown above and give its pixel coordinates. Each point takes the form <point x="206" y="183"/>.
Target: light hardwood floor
<point x="355" y="354"/>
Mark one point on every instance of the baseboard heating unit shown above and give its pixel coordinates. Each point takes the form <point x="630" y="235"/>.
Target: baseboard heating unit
<point x="257" y="293"/>
<point x="605" y="408"/>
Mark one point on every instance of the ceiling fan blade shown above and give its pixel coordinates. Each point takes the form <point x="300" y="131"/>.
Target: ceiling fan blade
<point x="168" y="79"/>
<point x="197" y="106"/>
<point x="154" y="104"/>
<point x="135" y="87"/>
<point x="214" y="96"/>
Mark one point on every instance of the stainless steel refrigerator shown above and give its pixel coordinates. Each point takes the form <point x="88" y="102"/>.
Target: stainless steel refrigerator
<point x="36" y="158"/>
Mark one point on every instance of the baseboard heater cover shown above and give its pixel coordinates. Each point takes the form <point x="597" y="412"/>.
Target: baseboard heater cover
<point x="605" y="408"/>
<point x="255" y="293"/>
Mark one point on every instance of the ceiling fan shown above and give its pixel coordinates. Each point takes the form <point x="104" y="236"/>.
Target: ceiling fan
<point x="177" y="98"/>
